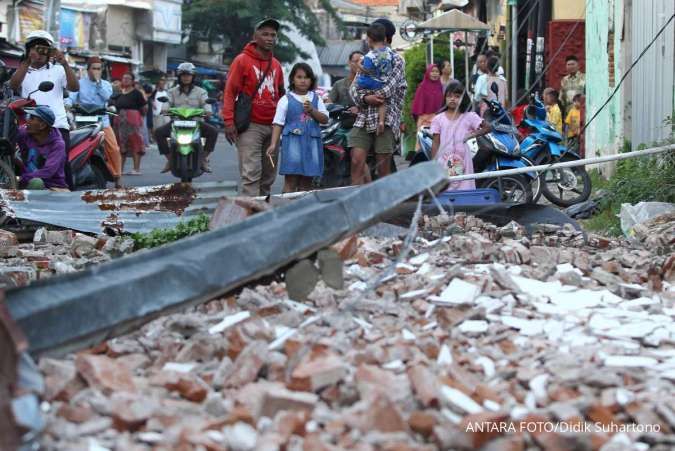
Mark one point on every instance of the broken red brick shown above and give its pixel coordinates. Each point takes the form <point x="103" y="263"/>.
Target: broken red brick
<point x="425" y="384"/>
<point x="130" y="412"/>
<point x="383" y="415"/>
<point x="561" y="393"/>
<point x="248" y="364"/>
<point x="279" y="399"/>
<point x="551" y="441"/>
<point x="372" y="380"/>
<point x="422" y="422"/>
<point x="104" y="373"/>
<point x="316" y="371"/>
<point x="288" y="423"/>
<point x="61" y="380"/>
<point x="8" y="238"/>
<point x="347" y="248"/>
<point x="508" y="443"/>
<point x="485" y="426"/>
<point x="484" y="393"/>
<point x="601" y="414"/>
<point x="189" y="389"/>
<point x="75" y="414"/>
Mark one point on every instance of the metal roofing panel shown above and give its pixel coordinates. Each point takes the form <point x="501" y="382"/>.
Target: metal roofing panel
<point x="129" y="210"/>
<point x="652" y="78"/>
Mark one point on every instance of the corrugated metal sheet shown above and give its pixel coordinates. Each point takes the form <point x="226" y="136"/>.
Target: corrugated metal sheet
<point x="129" y="210"/>
<point x="652" y="79"/>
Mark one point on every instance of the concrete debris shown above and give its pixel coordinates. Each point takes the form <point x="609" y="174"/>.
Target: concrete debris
<point x="54" y="252"/>
<point x="484" y="338"/>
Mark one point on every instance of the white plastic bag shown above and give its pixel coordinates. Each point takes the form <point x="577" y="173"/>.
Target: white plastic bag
<point x="632" y="215"/>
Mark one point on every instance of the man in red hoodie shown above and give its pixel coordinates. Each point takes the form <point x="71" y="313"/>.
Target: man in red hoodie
<point x="247" y="71"/>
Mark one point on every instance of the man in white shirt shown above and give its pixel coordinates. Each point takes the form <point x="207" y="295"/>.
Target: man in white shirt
<point x="37" y="67"/>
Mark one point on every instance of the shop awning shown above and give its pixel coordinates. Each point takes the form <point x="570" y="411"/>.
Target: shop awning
<point x="454" y="20"/>
<point x="119" y="59"/>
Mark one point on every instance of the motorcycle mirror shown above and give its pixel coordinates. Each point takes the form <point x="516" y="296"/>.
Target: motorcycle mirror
<point x="46" y="86"/>
<point x="162" y="99"/>
<point x="211" y="101"/>
<point x="495" y="89"/>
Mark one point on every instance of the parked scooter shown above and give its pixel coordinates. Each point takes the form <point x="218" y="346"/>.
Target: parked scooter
<point x="12" y="114"/>
<point x="337" y="154"/>
<point x="544" y="145"/>
<point x="186" y="145"/>
<point x="86" y="155"/>
<point x="498" y="150"/>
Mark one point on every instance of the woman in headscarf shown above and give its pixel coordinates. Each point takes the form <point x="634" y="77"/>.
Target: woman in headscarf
<point x="428" y="98"/>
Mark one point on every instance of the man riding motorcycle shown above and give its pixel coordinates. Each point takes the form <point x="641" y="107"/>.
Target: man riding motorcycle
<point x="187" y="94"/>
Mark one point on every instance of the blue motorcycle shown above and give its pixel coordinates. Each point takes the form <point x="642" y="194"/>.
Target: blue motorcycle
<point x="563" y="187"/>
<point x="498" y="150"/>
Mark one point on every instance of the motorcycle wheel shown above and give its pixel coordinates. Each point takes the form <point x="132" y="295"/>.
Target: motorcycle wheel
<point x="535" y="184"/>
<point x="567" y="186"/>
<point x="332" y="172"/>
<point x="99" y="177"/>
<point x="7" y="176"/>
<point x="514" y="188"/>
<point x="183" y="169"/>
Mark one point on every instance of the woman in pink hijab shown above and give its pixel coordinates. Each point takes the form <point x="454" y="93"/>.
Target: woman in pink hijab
<point x="428" y="98"/>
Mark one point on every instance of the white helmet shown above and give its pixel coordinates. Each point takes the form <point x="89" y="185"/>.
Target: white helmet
<point x="41" y="35"/>
<point x="186" y="68"/>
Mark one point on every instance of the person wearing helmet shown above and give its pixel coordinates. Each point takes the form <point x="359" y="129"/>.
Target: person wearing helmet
<point x="187" y="94"/>
<point x="36" y="67"/>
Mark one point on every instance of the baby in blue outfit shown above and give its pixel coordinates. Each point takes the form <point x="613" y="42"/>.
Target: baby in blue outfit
<point x="375" y="67"/>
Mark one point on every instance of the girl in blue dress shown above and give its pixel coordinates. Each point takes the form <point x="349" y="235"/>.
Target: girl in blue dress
<point x="296" y="122"/>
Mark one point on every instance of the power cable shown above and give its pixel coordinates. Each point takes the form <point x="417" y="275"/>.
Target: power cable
<point x="627" y="73"/>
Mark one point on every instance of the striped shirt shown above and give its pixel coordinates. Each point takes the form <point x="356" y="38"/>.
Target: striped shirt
<point x="393" y="91"/>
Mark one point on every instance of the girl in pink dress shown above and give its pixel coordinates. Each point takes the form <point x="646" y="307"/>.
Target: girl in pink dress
<point x="451" y="129"/>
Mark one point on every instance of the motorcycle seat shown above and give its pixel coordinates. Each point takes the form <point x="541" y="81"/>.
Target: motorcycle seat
<point x="78" y="135"/>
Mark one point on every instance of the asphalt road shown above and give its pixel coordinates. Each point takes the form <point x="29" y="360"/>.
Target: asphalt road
<point x="224" y="164"/>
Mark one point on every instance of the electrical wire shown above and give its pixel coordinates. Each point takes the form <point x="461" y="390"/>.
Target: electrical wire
<point x="552" y="58"/>
<point x="616" y="90"/>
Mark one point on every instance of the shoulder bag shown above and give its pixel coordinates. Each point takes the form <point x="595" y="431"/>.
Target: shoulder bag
<point x="244" y="105"/>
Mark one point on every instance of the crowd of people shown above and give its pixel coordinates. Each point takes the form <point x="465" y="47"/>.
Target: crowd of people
<point x="564" y="106"/>
<point x="277" y="131"/>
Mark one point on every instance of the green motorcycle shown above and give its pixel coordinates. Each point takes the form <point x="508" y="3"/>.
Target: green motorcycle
<point x="186" y="144"/>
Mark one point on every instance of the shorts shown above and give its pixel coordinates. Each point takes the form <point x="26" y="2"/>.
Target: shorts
<point x="383" y="144"/>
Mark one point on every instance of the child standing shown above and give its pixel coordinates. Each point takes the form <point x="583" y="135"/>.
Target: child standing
<point x="296" y="122"/>
<point x="553" y="111"/>
<point x="451" y="129"/>
<point x="573" y="122"/>
<point x="375" y="67"/>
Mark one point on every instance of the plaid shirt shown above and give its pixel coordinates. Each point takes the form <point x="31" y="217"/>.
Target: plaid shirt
<point x="393" y="91"/>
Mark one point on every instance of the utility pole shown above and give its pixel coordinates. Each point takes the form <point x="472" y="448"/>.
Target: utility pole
<point x="514" y="50"/>
<point x="52" y="19"/>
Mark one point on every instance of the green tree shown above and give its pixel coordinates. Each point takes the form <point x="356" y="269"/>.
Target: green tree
<point x="231" y="22"/>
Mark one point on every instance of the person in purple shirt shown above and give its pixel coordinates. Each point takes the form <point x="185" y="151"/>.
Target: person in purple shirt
<point x="42" y="150"/>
